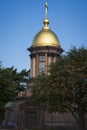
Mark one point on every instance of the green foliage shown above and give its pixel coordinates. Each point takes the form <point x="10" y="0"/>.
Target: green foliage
<point x="65" y="89"/>
<point x="11" y="82"/>
<point x="38" y="91"/>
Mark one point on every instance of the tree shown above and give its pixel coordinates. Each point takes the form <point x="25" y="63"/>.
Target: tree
<point x="65" y="89"/>
<point x="11" y="82"/>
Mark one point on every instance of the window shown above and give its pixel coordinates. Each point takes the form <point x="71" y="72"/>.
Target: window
<point x="41" y="63"/>
<point x="41" y="58"/>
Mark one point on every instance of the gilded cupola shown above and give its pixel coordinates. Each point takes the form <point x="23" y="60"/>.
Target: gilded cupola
<point x="45" y="49"/>
<point x="46" y="37"/>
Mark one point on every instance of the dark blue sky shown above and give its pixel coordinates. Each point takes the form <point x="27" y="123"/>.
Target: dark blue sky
<point x="20" y="20"/>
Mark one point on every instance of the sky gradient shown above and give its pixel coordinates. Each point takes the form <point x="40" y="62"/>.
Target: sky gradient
<point x="20" y="20"/>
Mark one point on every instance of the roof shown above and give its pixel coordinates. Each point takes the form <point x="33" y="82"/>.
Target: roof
<point x="9" y="104"/>
<point x="45" y="37"/>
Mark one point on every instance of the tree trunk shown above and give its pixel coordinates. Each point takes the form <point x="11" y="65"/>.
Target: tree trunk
<point x="81" y="118"/>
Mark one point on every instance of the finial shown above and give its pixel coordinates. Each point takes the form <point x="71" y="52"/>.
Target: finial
<point x="46" y="10"/>
<point x="46" y="20"/>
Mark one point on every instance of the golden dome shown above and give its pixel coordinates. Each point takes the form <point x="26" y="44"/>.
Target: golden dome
<point x="45" y="37"/>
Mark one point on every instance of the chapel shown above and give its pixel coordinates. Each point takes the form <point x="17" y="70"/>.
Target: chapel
<point x="44" y="50"/>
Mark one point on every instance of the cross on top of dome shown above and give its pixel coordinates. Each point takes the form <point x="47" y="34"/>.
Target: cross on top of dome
<point x="46" y="10"/>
